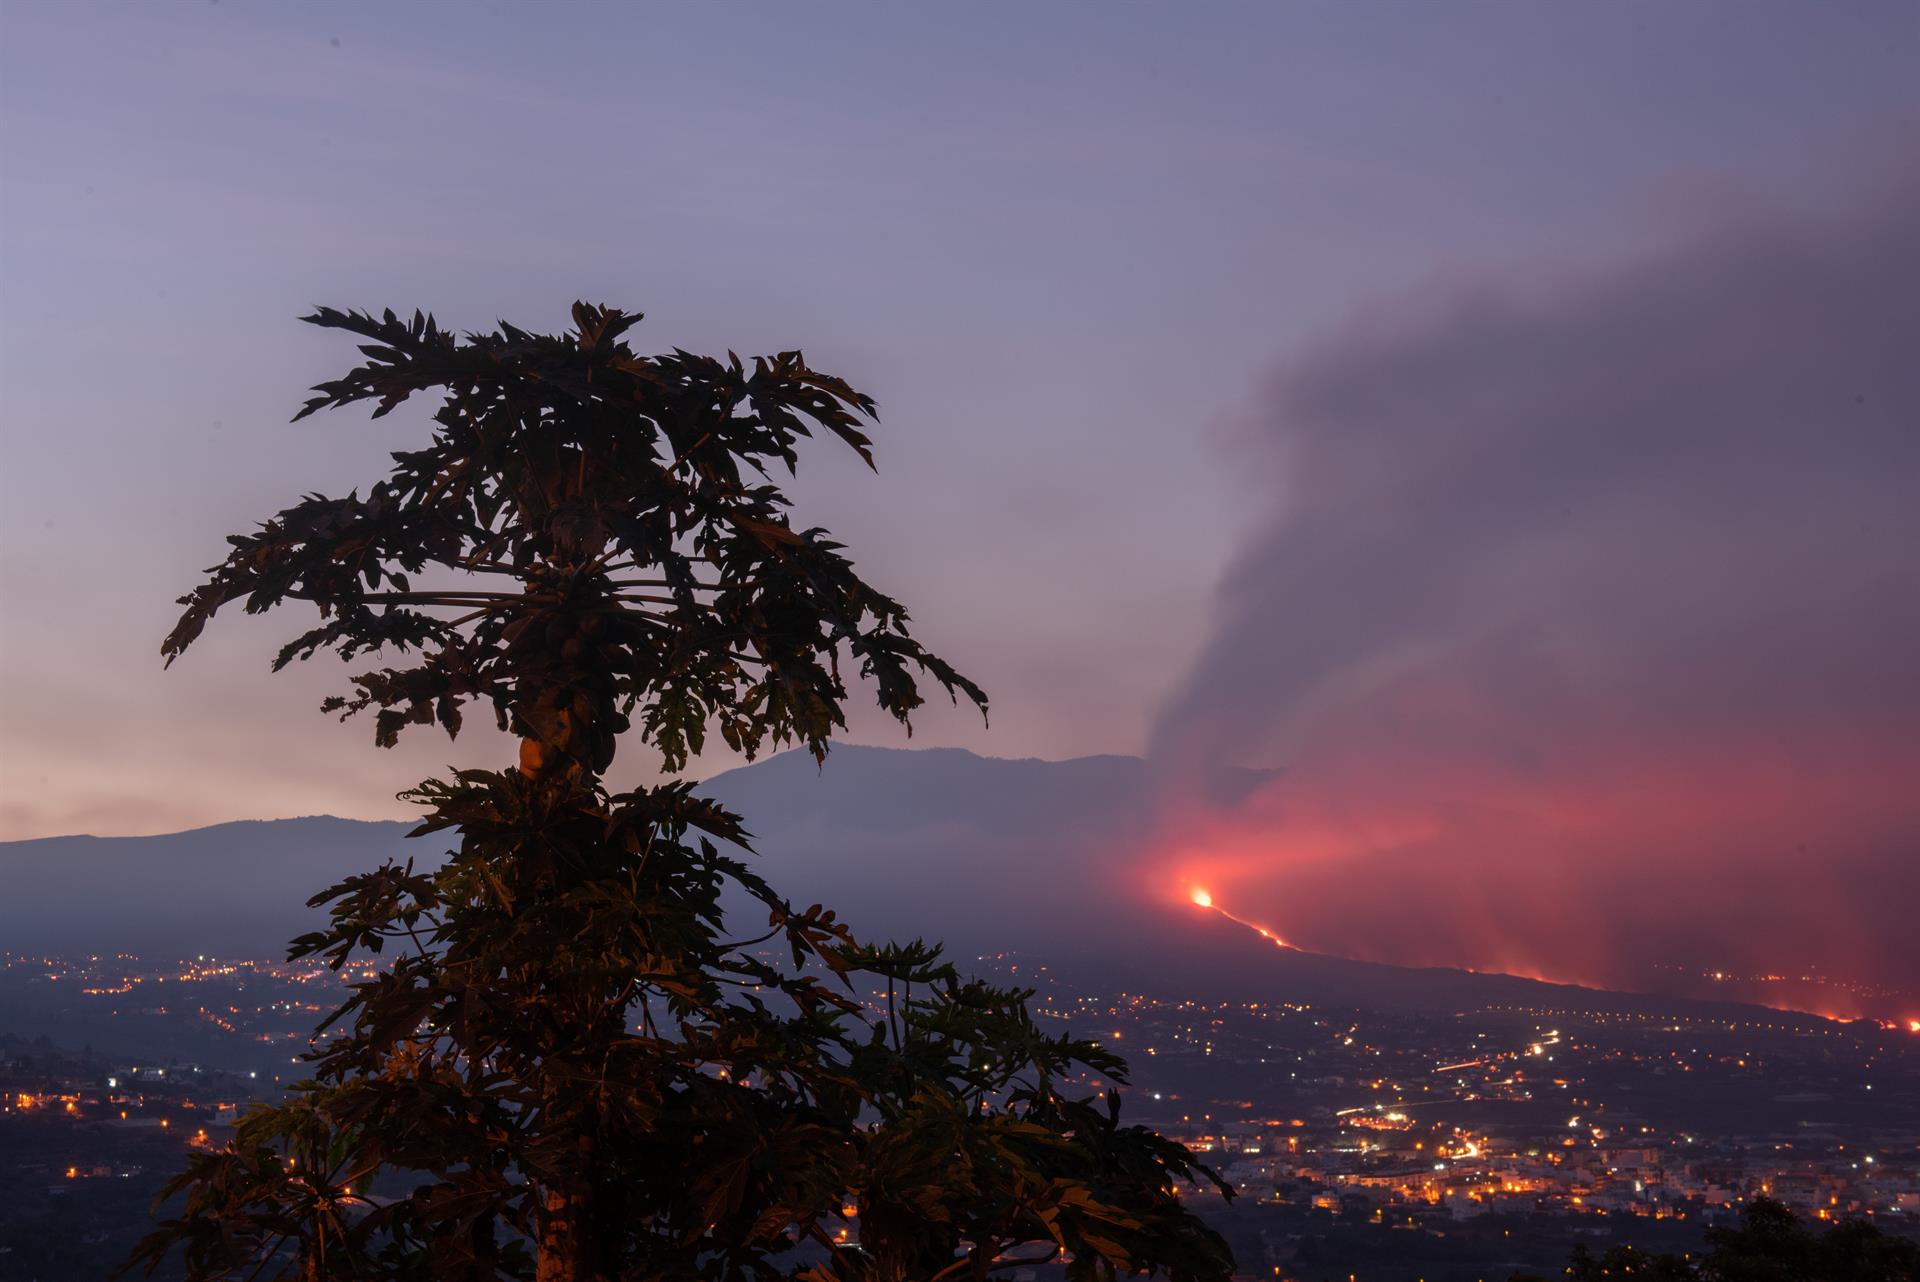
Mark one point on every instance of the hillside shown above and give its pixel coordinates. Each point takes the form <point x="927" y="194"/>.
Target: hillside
<point x="984" y="853"/>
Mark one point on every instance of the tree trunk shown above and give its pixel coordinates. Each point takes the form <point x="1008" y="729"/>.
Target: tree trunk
<point x="561" y="1249"/>
<point x="568" y="1251"/>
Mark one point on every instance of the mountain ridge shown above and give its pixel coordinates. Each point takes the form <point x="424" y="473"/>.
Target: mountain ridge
<point x="988" y="854"/>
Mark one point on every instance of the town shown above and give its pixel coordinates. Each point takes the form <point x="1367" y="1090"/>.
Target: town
<point x="1472" y="1144"/>
<point x="1391" y="1145"/>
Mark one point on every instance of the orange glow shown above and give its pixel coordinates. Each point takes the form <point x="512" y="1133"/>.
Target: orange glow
<point x="1204" y="899"/>
<point x="1913" y="1026"/>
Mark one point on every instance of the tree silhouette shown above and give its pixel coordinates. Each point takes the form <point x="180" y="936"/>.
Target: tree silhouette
<point x="568" y="1067"/>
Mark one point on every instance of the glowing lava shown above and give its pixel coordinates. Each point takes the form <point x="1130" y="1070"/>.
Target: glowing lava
<point x="1204" y="900"/>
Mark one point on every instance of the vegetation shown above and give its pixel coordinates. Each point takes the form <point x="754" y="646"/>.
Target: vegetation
<point x="1769" y="1245"/>
<point x="570" y="1063"/>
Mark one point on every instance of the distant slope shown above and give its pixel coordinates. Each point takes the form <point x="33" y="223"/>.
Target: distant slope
<point x="981" y="851"/>
<point x="989" y="854"/>
<point x="234" y="889"/>
<point x="984" y="853"/>
<point x="943" y="842"/>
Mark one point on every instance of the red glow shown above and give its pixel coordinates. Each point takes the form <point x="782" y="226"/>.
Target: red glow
<point x="1205" y="900"/>
<point x="1607" y="862"/>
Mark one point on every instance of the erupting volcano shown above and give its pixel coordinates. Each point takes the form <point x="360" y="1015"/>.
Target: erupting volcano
<point x="1575" y="622"/>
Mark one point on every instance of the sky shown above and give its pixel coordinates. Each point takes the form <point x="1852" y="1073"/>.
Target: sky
<point x="1489" y="416"/>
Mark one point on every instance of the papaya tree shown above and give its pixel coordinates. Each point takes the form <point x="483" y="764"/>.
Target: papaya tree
<point x="572" y="1063"/>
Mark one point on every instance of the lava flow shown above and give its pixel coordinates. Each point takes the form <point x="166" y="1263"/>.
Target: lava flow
<point x="1204" y="900"/>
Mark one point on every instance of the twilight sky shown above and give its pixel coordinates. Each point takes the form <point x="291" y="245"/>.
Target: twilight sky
<point x="1131" y="286"/>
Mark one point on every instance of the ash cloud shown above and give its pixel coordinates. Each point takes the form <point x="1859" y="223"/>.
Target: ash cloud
<point x="1585" y="621"/>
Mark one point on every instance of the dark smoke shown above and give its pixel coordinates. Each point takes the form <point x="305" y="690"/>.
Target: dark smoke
<point x="1585" y="621"/>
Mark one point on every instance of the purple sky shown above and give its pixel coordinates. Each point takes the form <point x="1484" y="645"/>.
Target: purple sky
<point x="1064" y="247"/>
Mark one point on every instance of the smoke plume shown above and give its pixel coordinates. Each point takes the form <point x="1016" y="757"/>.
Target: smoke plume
<point x="1584" y="622"/>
